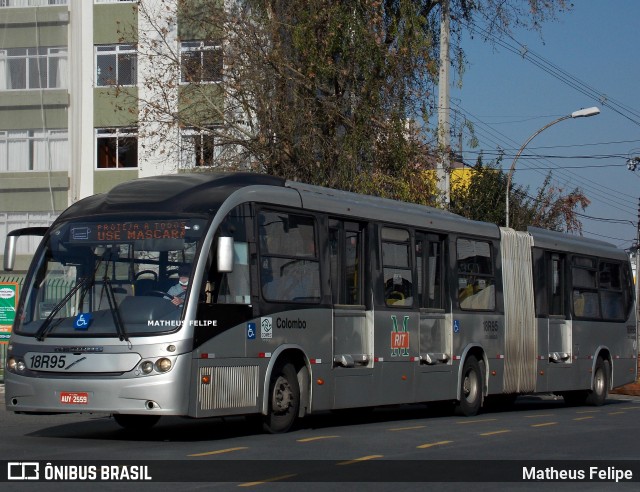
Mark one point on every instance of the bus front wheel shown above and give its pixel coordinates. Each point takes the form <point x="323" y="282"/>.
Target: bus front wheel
<point x="284" y="399"/>
<point x="470" y="388"/>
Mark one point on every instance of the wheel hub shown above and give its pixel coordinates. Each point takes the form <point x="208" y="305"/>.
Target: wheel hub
<point x="282" y="395"/>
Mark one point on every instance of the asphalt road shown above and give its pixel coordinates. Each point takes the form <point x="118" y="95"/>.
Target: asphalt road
<point x="397" y="448"/>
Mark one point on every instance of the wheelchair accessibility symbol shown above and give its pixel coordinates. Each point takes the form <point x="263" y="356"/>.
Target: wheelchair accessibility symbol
<point x="251" y="331"/>
<point x="82" y="321"/>
<point x="456" y="326"/>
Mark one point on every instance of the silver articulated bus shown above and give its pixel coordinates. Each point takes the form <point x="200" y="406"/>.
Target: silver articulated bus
<point x="207" y="295"/>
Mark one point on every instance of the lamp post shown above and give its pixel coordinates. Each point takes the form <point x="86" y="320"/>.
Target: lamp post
<point x="582" y="113"/>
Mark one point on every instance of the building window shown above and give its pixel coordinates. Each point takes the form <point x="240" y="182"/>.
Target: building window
<point x="116" y="64"/>
<point x="9" y="221"/>
<point x="33" y="68"/>
<point x="31" y="3"/>
<point x="200" y="61"/>
<point x="198" y="148"/>
<point x="116" y="148"/>
<point x="34" y="150"/>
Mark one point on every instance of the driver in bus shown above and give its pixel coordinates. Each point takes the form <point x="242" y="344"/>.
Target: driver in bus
<point x="178" y="291"/>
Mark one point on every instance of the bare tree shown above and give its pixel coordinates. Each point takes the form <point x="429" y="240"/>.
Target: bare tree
<point x="551" y="207"/>
<point x="331" y="93"/>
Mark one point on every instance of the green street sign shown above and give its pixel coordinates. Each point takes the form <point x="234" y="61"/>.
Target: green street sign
<point x="8" y="304"/>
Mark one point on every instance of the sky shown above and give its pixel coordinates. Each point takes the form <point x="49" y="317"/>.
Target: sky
<point x="508" y="97"/>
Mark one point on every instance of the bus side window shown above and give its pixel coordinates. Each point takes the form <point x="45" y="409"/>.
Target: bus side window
<point x="585" y="293"/>
<point x="429" y="267"/>
<point x="556" y="285"/>
<point x="396" y="263"/>
<point x="476" y="282"/>
<point x="345" y="256"/>
<point x="289" y="264"/>
<point x="610" y="288"/>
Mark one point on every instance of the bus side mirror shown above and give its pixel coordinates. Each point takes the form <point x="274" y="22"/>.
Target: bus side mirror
<point x="10" y="253"/>
<point x="10" y="244"/>
<point x="225" y="254"/>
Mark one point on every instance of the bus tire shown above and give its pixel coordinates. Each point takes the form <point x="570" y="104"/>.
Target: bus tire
<point x="284" y="399"/>
<point x="598" y="394"/>
<point x="470" y="388"/>
<point x="136" y="422"/>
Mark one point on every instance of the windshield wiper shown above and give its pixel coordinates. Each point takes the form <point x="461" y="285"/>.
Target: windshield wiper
<point x="46" y="324"/>
<point x="115" y="312"/>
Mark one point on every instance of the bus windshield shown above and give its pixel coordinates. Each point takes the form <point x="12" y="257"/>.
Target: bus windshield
<point x="111" y="278"/>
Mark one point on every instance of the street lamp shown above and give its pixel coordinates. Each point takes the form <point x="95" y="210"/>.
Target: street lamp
<point x="582" y="113"/>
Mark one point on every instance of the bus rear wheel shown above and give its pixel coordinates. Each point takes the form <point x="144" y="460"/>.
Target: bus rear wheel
<point x="284" y="399"/>
<point x="598" y="394"/>
<point x="470" y="388"/>
<point x="136" y="422"/>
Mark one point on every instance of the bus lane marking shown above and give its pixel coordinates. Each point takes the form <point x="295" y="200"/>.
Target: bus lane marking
<point x="316" y="438"/>
<point x="397" y="429"/>
<point x="615" y="413"/>
<point x="219" y="451"/>
<point x="538" y="415"/>
<point x="358" y="460"/>
<point x="493" y="433"/>
<point x="267" y="480"/>
<point x="432" y="444"/>
<point x="464" y="422"/>
<point x="584" y="418"/>
<point x="588" y="411"/>
<point x="545" y="424"/>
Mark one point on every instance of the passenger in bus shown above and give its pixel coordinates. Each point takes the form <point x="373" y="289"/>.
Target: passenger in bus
<point x="178" y="291"/>
<point x="477" y="295"/>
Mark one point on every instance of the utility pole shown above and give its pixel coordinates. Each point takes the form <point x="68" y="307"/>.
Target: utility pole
<point x="444" y="138"/>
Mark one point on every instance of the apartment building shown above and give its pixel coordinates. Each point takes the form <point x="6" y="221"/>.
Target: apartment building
<point x="73" y="78"/>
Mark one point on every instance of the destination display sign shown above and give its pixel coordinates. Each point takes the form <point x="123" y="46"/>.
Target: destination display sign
<point x="128" y="230"/>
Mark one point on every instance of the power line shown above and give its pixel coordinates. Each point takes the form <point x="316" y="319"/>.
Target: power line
<point x="557" y="72"/>
<point x="605" y="194"/>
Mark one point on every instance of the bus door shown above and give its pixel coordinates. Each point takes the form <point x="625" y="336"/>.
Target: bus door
<point x="352" y="340"/>
<point x="559" y="327"/>
<point x="435" y="338"/>
<point x="436" y="335"/>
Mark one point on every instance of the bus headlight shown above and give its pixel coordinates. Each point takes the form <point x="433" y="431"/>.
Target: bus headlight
<point x="163" y="364"/>
<point x="11" y="364"/>
<point x="20" y="366"/>
<point x="146" y="367"/>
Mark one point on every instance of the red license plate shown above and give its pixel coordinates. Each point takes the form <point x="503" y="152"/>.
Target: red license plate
<point x="74" y="398"/>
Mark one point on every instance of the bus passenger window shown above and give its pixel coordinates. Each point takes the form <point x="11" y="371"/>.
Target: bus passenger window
<point x="585" y="294"/>
<point x="610" y="288"/>
<point x="429" y="268"/>
<point x="585" y="303"/>
<point x="345" y="253"/>
<point x="396" y="260"/>
<point x="476" y="282"/>
<point x="289" y="267"/>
